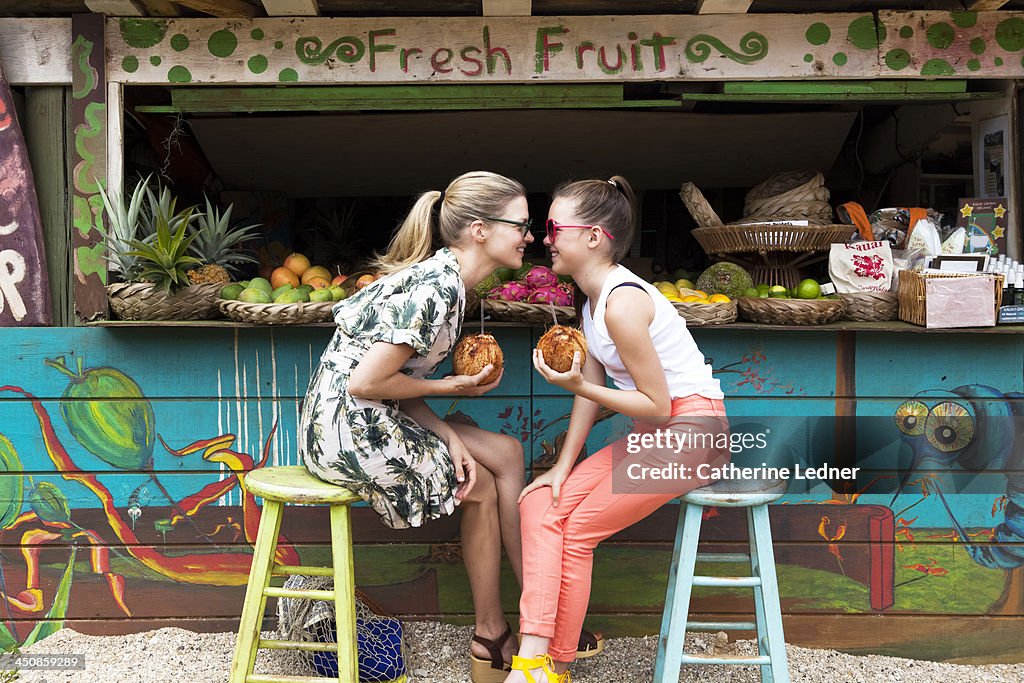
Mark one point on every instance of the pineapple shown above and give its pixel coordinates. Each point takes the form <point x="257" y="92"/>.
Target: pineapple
<point x="219" y="247"/>
<point x="163" y="258"/>
<point x="123" y="224"/>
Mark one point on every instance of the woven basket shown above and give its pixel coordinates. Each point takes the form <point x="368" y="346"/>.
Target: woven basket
<point x="871" y="306"/>
<point x="704" y="315"/>
<point x="790" y="311"/>
<point x="698" y="206"/>
<point x="277" y="314"/>
<point x="143" y="301"/>
<point x="518" y="312"/>
<point x="791" y="182"/>
<point x="763" y="237"/>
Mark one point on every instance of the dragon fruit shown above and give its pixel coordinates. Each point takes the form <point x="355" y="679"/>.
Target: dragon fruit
<point x="510" y="291"/>
<point x="539" y="276"/>
<point x="556" y="295"/>
<point x="565" y="292"/>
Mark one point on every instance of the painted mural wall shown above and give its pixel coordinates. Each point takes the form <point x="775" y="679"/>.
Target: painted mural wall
<point x="121" y="509"/>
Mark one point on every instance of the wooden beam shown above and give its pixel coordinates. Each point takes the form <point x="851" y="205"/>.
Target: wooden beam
<point x="228" y="9"/>
<point x="507" y="8"/>
<point x="291" y="8"/>
<point x="161" y="8"/>
<point x="723" y="6"/>
<point x="116" y="8"/>
<point x="36" y="51"/>
<point x="986" y="5"/>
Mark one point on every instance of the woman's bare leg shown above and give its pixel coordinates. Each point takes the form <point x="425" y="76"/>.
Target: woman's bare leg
<point x="502" y="456"/>
<point x="481" y="553"/>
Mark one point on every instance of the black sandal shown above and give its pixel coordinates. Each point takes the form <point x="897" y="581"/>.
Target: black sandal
<point x="590" y="645"/>
<point x="495" y="669"/>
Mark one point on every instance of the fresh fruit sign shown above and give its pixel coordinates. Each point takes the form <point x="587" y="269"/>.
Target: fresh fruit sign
<point x="527" y="49"/>
<point x="24" y="287"/>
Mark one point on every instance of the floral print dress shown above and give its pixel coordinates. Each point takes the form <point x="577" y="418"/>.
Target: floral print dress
<point x="400" y="468"/>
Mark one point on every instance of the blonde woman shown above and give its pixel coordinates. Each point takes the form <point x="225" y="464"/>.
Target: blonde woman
<point x="364" y="423"/>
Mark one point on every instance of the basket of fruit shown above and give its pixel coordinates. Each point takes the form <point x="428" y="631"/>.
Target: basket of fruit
<point x="717" y="309"/>
<point x="790" y="311"/>
<point x="295" y="294"/>
<point x="531" y="294"/>
<point x="871" y="306"/>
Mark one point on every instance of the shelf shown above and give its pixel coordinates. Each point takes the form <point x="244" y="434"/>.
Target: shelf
<point x="468" y="325"/>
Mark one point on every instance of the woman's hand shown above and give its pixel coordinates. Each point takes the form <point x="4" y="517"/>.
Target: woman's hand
<point x="553" y="478"/>
<point x="465" y="465"/>
<point x="470" y="385"/>
<point x="571" y="380"/>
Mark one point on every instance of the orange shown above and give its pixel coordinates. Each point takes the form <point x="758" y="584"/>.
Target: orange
<point x="283" y="276"/>
<point x="719" y="299"/>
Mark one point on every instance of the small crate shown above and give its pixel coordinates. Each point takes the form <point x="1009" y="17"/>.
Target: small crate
<point x="913" y="290"/>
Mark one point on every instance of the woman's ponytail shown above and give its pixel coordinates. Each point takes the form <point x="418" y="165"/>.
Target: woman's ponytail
<point x="414" y="240"/>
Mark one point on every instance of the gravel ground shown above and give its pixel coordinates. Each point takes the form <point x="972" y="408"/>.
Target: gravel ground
<point x="438" y="654"/>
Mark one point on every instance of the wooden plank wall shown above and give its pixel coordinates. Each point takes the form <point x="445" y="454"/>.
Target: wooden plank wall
<point x="150" y="418"/>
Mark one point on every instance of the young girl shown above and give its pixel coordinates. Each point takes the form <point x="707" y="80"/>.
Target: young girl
<point x="636" y="337"/>
<point x="364" y="423"/>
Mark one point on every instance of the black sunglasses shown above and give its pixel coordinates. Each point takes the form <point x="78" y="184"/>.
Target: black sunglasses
<point x="524" y="226"/>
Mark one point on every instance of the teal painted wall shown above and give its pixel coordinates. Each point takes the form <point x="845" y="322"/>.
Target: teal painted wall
<point x="169" y="414"/>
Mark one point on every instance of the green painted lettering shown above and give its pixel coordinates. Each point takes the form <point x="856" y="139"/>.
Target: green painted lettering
<point x="581" y="49"/>
<point x="545" y="48"/>
<point x="403" y="57"/>
<point x="657" y="43"/>
<point x="494" y="52"/>
<point x="464" y="53"/>
<point x="441" y="65"/>
<point x="375" y="48"/>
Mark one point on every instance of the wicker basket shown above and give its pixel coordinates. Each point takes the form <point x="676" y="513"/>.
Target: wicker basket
<point x="912" y="287"/>
<point x="277" y="314"/>
<point x="870" y="306"/>
<point x="698" y="206"/>
<point x="519" y="312"/>
<point x="143" y="301"/>
<point x="704" y="315"/>
<point x="790" y="311"/>
<point x="795" y="194"/>
<point x="766" y="237"/>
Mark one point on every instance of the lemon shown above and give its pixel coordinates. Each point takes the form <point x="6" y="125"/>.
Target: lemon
<point x="719" y="299"/>
<point x="667" y="288"/>
<point x="690" y="299"/>
<point x="701" y="293"/>
<point x="683" y="283"/>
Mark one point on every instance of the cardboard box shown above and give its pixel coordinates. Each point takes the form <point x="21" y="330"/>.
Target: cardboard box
<point x="949" y="299"/>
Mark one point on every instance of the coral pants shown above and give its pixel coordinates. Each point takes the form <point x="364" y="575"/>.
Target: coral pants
<point x="559" y="542"/>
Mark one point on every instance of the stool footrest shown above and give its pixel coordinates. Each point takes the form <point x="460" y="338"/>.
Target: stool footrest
<point x="723" y="557"/>
<point x="263" y="678"/>
<point x="716" y="659"/>
<point x="274" y="592"/>
<point x="304" y="645"/>
<point x="289" y="569"/>
<point x="721" y="626"/>
<point x="724" y="581"/>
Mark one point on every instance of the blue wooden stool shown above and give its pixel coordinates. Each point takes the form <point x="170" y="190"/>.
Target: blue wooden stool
<point x="771" y="644"/>
<point x="277" y="486"/>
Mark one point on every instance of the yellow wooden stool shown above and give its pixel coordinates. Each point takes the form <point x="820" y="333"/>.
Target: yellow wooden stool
<point x="277" y="486"/>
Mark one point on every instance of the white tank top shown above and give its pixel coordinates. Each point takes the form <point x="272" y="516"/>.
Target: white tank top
<point x="685" y="369"/>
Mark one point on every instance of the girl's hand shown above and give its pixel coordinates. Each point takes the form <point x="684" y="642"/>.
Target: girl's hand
<point x="470" y="385"/>
<point x="553" y="478"/>
<point x="571" y="380"/>
<point x="465" y="466"/>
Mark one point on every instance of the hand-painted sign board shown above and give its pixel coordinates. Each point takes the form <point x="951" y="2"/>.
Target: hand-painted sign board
<point x="24" y="286"/>
<point x="929" y="44"/>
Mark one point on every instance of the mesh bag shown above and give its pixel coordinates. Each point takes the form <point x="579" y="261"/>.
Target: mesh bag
<point x="380" y="644"/>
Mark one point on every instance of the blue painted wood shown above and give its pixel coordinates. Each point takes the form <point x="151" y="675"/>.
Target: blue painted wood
<point x="759" y="593"/>
<point x="677" y="600"/>
<point x="769" y="589"/>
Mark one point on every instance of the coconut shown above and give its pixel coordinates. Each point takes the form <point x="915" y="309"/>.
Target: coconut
<point x="559" y="344"/>
<point x="476" y="351"/>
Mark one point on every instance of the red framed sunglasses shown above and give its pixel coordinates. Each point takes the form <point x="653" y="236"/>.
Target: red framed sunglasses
<point x="553" y="228"/>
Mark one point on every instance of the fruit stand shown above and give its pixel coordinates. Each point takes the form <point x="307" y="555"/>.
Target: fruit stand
<point x="289" y="146"/>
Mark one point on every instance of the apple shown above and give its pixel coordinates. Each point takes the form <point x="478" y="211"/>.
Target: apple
<point x="339" y="280"/>
<point x="319" y="283"/>
<point x="364" y="280"/>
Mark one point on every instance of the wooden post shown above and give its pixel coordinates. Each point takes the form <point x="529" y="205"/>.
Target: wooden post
<point x="507" y="8"/>
<point x="116" y="8"/>
<point x="89" y="162"/>
<point x="45" y="134"/>
<point x="291" y="8"/>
